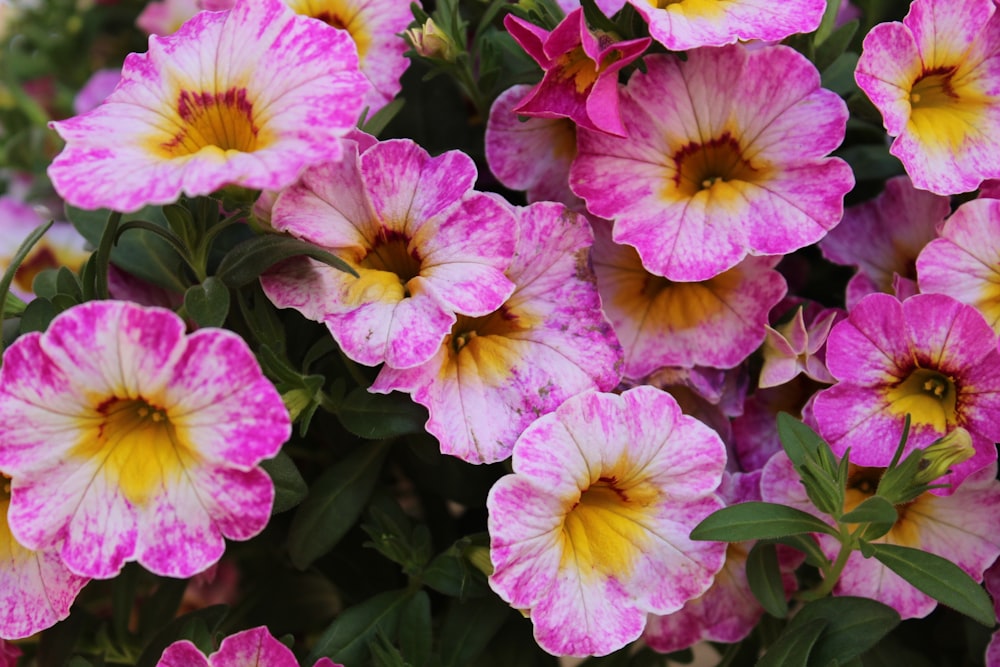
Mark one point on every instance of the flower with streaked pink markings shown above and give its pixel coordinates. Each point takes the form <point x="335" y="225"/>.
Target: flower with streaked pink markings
<point x="425" y="245"/>
<point x="581" y="71"/>
<point x="963" y="527"/>
<point x="590" y="533"/>
<point x="755" y="431"/>
<point x="935" y="78"/>
<point x="36" y="589"/>
<point x="686" y="24"/>
<point x="126" y="439"/>
<point x="493" y="375"/>
<point x="931" y="357"/>
<point x="794" y="348"/>
<point x="728" y="611"/>
<point x="964" y="262"/>
<point x="247" y="97"/>
<point x="532" y="154"/>
<point x="61" y="245"/>
<point x="255" y="647"/>
<point x="711" y="395"/>
<point x="724" y="158"/>
<point x="883" y="237"/>
<point x="717" y="322"/>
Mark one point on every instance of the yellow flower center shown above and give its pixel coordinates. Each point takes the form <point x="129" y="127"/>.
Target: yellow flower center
<point x="947" y="106"/>
<point x="339" y="14"/>
<point x="711" y="166"/>
<point x="485" y="347"/>
<point x="933" y="89"/>
<point x="862" y="482"/>
<point x="139" y="447"/>
<point x="385" y="271"/>
<point x="582" y="70"/>
<point x="929" y="397"/>
<point x="216" y="123"/>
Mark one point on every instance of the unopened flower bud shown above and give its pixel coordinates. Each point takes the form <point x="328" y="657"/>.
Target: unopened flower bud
<point x="944" y="453"/>
<point x="480" y="559"/>
<point x="431" y="42"/>
<point x="296" y="401"/>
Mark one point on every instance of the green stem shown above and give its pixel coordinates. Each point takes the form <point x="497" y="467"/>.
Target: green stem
<point x="832" y="573"/>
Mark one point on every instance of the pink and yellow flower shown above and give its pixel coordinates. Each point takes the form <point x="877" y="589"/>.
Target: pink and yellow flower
<point x="248" y="97"/>
<point x="964" y="262"/>
<point x="255" y="647"/>
<point x="724" y="158"/>
<point x="717" y="322"/>
<point x="426" y="248"/>
<point x="581" y="72"/>
<point x="929" y="357"/>
<point x="126" y="439"/>
<point x="590" y="533"/>
<point x="935" y="78"/>
<point x="493" y="375"/>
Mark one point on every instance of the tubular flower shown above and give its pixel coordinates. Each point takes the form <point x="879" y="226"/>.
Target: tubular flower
<point x="793" y="348"/>
<point x="724" y="158"/>
<point x="935" y="78"/>
<point x="590" y="533"/>
<point x="126" y="439"/>
<point x="248" y="97"/>
<point x="255" y="647"/>
<point x="965" y="262"/>
<point x="581" y="72"/>
<point x="426" y="248"/>
<point x="494" y="375"/>
<point x="929" y="357"/>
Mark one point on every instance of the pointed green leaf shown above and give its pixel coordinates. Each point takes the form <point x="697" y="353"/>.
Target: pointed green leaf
<point x="468" y="628"/>
<point x="208" y="303"/>
<point x="244" y="263"/>
<point x="793" y="647"/>
<point x="415" y="634"/>
<point x="764" y="577"/>
<point x="289" y="487"/>
<point x="757" y="521"/>
<point x="346" y="639"/>
<point x="874" y="509"/>
<point x="853" y="625"/>
<point x="940" y="578"/>
<point x="379" y="416"/>
<point x="800" y="442"/>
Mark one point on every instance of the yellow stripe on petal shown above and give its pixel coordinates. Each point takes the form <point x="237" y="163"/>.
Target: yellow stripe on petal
<point x="929" y="397"/>
<point x="485" y="346"/>
<point x="339" y="14"/>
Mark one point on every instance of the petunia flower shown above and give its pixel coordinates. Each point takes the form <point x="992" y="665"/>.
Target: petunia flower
<point x="717" y="322"/>
<point x="792" y="348"/>
<point x="581" y="71"/>
<point x="935" y="78"/>
<point x="493" y="375"/>
<point x="248" y="97"/>
<point x="711" y="395"/>
<point x="255" y="647"/>
<point x="930" y="357"/>
<point x="426" y="248"/>
<point x="724" y="158"/>
<point x="36" y="589"/>
<point x="590" y="533"/>
<point x="883" y="237"/>
<point x="964" y="262"/>
<point x="126" y="439"/>
<point x="686" y="24"/>
<point x="962" y="527"/>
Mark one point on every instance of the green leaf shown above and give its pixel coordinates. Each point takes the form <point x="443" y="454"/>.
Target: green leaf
<point x="169" y="633"/>
<point x="940" y="578"/>
<point x="800" y="442"/>
<point x="827" y="22"/>
<point x="415" y="635"/>
<point x="839" y="75"/>
<point x="13" y="306"/>
<point x="807" y="545"/>
<point x="289" y="487"/>
<point x="334" y="503"/>
<point x="874" y="509"/>
<point x="207" y="303"/>
<point x="38" y="315"/>
<point x="468" y="628"/>
<point x="161" y="606"/>
<point x="346" y="639"/>
<point x="384" y="654"/>
<point x="15" y="263"/>
<point x="377" y="123"/>
<point x="380" y="416"/>
<point x="757" y="521"/>
<point x="67" y="283"/>
<point x="835" y="45"/>
<point x="244" y="263"/>
<point x="450" y="573"/>
<point x="853" y="625"/>
<point x="764" y="577"/>
<point x="793" y="647"/>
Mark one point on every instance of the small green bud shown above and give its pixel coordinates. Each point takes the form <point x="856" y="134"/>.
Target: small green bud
<point x="944" y="453"/>
<point x="479" y="557"/>
<point x="430" y="41"/>
<point x="296" y="401"/>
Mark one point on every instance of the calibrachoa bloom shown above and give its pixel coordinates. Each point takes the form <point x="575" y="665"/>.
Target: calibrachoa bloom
<point x="36" y="589"/>
<point x="590" y="533"/>
<point x="724" y="158"/>
<point x="685" y="24"/>
<point x="425" y="245"/>
<point x="883" y="237"/>
<point x="794" y="348"/>
<point x="581" y="72"/>
<point x="247" y="97"/>
<point x="710" y="395"/>
<point x="962" y="527"/>
<point x="930" y="357"/>
<point x="255" y="647"/>
<point x="128" y="440"/>
<point x="717" y="322"/>
<point x="494" y="375"/>
<point x="965" y="262"/>
<point x="935" y="78"/>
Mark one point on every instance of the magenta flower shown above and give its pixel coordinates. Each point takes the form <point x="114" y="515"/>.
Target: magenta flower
<point x="494" y="375"/>
<point x="246" y="97"/>
<point x="724" y="158"/>
<point x="126" y="439"/>
<point x="581" y="72"/>
<point x="930" y="357"/>
<point x="426" y="247"/>
<point x="936" y="79"/>
<point x="794" y="348"/>
<point x="590" y="533"/>
<point x="255" y="647"/>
